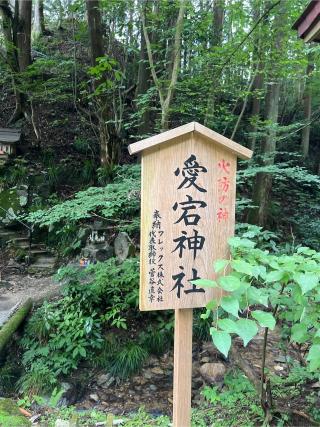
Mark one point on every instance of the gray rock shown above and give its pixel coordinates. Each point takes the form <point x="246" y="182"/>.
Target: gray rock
<point x="147" y="374"/>
<point x="83" y="235"/>
<point x="97" y="252"/>
<point x="105" y="380"/>
<point x="118" y="422"/>
<point x="94" y="397"/>
<point x="123" y="246"/>
<point x="152" y="387"/>
<point x="213" y="372"/>
<point x="157" y="370"/>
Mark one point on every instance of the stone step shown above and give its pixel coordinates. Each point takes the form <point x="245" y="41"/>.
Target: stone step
<point x="5" y="238"/>
<point x="35" y="251"/>
<point x="23" y="244"/>
<point x="45" y="260"/>
<point x="41" y="268"/>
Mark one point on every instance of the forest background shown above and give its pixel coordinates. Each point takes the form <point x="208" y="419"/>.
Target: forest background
<point x="83" y="79"/>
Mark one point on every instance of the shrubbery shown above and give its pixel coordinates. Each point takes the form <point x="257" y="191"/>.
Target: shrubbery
<point x="61" y="334"/>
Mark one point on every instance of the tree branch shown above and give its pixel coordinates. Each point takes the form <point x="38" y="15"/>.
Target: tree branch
<point x="150" y="56"/>
<point x="176" y="51"/>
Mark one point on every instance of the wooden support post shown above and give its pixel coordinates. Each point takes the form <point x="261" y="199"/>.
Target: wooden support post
<point x="182" y="376"/>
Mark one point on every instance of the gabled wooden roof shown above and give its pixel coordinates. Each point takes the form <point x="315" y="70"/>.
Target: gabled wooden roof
<point x="308" y="23"/>
<point x="197" y="128"/>
<point x="9" y="136"/>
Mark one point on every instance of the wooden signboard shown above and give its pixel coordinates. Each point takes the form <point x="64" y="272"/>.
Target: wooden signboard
<point x="187" y="216"/>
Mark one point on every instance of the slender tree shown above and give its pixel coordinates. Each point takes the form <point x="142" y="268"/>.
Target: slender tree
<point x="95" y="27"/>
<point x="259" y="63"/>
<point x="166" y="92"/>
<point x="143" y="80"/>
<point x="307" y="100"/>
<point x="216" y="42"/>
<point x="263" y="183"/>
<point x="38" y="23"/>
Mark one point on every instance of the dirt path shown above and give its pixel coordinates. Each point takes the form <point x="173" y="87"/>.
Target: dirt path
<point x="15" y="289"/>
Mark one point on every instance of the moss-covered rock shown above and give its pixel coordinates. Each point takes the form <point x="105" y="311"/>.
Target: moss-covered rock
<point x="10" y="415"/>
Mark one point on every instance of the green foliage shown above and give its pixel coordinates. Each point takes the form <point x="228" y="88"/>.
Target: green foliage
<point x="156" y="341"/>
<point x="9" y="374"/>
<point x="10" y="415"/>
<point x="237" y="404"/>
<point x="62" y="334"/>
<point x="286" y="285"/>
<point x="115" y="202"/>
<point x="128" y="360"/>
<point x="14" y="173"/>
<point x="106" y="73"/>
<point x="201" y="327"/>
<point x="48" y="80"/>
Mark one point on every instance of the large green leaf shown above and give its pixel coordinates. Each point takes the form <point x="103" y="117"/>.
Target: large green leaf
<point x="222" y="340"/>
<point x="299" y="333"/>
<point x="230" y="304"/>
<point x="274" y="276"/>
<point x="205" y="282"/>
<point x="212" y="304"/>
<point x="227" y="325"/>
<point x="237" y="242"/>
<point x="229" y="283"/>
<point x="265" y="319"/>
<point x="220" y="264"/>
<point x="256" y="295"/>
<point x="313" y="357"/>
<point x="246" y="329"/>
<point x="242" y="267"/>
<point x="306" y="281"/>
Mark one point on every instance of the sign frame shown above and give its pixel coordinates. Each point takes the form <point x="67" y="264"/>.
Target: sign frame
<point x="206" y="162"/>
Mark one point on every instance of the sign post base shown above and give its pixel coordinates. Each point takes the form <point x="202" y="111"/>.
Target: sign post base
<point x="182" y="375"/>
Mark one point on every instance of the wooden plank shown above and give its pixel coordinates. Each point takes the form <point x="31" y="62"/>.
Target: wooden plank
<point x="10" y="130"/>
<point x="9" y="136"/>
<point x="160" y="193"/>
<point x="165" y="137"/>
<point x="313" y="34"/>
<point x="234" y="147"/>
<point x="159" y="139"/>
<point x="182" y="376"/>
<point x="9" y="139"/>
<point x="308" y="20"/>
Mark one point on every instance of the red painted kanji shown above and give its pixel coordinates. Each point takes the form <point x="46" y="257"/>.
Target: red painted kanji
<point x="222" y="214"/>
<point x="225" y="166"/>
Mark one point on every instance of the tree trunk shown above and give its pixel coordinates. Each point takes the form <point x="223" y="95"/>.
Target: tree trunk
<point x="218" y="18"/>
<point x="38" y="23"/>
<point x="95" y="27"/>
<point x="307" y="98"/>
<point x="216" y="42"/>
<point x="256" y="104"/>
<point x="13" y="323"/>
<point x="60" y="16"/>
<point x="24" y="34"/>
<point x="9" y="26"/>
<point x="166" y="94"/>
<point x="95" y="30"/>
<point x="143" y="83"/>
<point x="258" y="80"/>
<point x="263" y="182"/>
